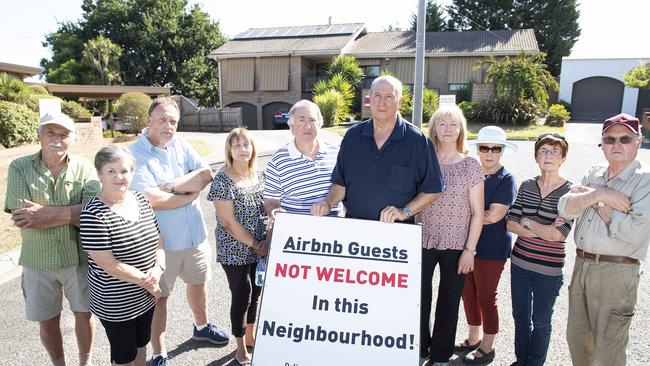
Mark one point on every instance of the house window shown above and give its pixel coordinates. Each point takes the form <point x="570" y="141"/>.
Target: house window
<point x="457" y="87"/>
<point x="371" y="71"/>
<point x="320" y="69"/>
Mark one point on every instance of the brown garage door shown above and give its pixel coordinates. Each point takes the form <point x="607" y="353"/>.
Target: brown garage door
<point x="596" y="98"/>
<point x="248" y="114"/>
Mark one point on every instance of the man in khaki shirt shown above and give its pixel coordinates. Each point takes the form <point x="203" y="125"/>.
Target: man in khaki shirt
<point x="612" y="212"/>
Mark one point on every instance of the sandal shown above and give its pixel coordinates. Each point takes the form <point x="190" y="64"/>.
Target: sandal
<point x="466" y="347"/>
<point x="486" y="357"/>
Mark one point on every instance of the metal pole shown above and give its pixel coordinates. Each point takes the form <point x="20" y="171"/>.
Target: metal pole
<point x="419" y="66"/>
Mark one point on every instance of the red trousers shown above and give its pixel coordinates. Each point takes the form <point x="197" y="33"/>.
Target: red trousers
<point x="480" y="294"/>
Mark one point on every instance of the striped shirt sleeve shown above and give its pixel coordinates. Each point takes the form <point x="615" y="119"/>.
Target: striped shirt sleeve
<point x="93" y="232"/>
<point x="515" y="211"/>
<point x="272" y="184"/>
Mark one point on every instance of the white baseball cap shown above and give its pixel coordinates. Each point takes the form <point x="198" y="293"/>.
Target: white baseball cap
<point x="58" y="119"/>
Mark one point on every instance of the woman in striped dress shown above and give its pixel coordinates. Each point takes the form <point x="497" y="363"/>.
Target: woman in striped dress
<point x="119" y="232"/>
<point x="538" y="255"/>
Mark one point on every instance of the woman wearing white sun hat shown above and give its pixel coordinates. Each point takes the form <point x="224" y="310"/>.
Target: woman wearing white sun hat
<point x="493" y="248"/>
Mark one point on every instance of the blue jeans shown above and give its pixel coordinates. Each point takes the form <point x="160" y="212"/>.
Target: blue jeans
<point x="533" y="299"/>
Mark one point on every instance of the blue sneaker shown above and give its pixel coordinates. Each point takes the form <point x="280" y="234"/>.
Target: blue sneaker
<point x="211" y="334"/>
<point x="159" y="361"/>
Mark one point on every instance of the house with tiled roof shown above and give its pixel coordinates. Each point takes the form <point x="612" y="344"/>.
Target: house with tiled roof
<point x="266" y="70"/>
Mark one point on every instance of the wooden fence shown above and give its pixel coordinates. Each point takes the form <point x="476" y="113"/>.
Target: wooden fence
<point x="197" y="119"/>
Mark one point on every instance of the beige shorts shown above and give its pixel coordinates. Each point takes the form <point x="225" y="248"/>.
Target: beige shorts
<point x="191" y="265"/>
<point x="43" y="291"/>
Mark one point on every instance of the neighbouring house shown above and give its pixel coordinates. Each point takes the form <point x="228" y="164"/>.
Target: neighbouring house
<point x="596" y="90"/>
<point x="266" y="70"/>
<point x="21" y="72"/>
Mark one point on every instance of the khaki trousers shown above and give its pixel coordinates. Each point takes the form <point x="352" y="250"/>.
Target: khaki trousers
<point x="602" y="299"/>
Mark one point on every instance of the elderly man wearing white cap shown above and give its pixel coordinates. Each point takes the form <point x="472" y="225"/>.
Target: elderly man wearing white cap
<point x="45" y="192"/>
<point x="612" y="208"/>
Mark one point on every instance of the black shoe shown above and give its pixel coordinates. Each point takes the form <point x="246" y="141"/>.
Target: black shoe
<point x="486" y="357"/>
<point x="466" y="347"/>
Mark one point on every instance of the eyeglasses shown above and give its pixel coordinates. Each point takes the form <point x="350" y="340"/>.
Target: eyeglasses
<point x="546" y="152"/>
<point x="555" y="135"/>
<point x="494" y="149"/>
<point x="625" y="139"/>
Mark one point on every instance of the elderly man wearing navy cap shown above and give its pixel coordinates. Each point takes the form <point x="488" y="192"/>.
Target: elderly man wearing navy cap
<point x="45" y="192"/>
<point x="612" y="212"/>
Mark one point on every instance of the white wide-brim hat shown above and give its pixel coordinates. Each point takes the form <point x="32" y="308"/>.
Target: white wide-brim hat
<point x="493" y="135"/>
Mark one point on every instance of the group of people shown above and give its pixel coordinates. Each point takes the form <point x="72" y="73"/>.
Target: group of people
<point x="140" y="226"/>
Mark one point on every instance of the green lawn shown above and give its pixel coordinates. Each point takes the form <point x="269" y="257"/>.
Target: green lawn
<point x="513" y="132"/>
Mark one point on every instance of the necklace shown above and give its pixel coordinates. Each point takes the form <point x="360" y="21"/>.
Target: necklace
<point x="109" y="199"/>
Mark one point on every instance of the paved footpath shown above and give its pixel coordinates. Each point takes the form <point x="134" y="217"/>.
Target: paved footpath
<point x="21" y="345"/>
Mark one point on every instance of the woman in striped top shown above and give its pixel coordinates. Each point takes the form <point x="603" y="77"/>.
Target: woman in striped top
<point x="120" y="234"/>
<point x="538" y="255"/>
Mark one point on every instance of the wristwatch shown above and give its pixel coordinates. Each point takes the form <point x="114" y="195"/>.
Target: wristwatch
<point x="527" y="223"/>
<point x="407" y="211"/>
<point x="169" y="186"/>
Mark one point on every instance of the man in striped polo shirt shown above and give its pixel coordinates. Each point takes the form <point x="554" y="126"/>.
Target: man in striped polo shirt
<point x="45" y="192"/>
<point x="298" y="174"/>
<point x="612" y="211"/>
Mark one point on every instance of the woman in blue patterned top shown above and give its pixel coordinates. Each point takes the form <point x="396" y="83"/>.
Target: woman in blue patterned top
<point x="236" y="192"/>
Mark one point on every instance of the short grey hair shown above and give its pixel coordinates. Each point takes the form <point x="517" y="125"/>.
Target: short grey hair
<point x="304" y="103"/>
<point x="111" y="154"/>
<point x="163" y="101"/>
<point x="393" y="81"/>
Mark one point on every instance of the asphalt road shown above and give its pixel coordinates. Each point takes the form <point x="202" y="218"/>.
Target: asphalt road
<point x="21" y="344"/>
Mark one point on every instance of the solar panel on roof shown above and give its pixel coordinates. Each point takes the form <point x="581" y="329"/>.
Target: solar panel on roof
<point x="299" y="31"/>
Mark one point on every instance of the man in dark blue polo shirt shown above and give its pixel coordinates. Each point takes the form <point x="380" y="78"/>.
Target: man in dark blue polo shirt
<point x="387" y="168"/>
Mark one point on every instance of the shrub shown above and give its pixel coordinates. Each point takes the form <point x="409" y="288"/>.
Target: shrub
<point x="566" y="105"/>
<point x="557" y="115"/>
<point x="406" y="108"/>
<point x="332" y="106"/>
<point x="430" y="102"/>
<point x="74" y="110"/>
<point x="347" y="67"/>
<point x="339" y="84"/>
<point x="38" y="90"/>
<point x="32" y="101"/>
<point x="133" y="108"/>
<point x="469" y="109"/>
<point x="504" y="111"/>
<point x="12" y="89"/>
<point x="18" y="124"/>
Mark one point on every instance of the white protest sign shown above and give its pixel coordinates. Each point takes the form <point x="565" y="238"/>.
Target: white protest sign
<point x="51" y="106"/>
<point x="340" y="292"/>
<point x="447" y="99"/>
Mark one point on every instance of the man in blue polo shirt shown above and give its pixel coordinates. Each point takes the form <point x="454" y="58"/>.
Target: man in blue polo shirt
<point x="386" y="168"/>
<point x="171" y="174"/>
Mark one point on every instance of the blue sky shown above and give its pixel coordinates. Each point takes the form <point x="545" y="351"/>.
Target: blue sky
<point x="609" y="28"/>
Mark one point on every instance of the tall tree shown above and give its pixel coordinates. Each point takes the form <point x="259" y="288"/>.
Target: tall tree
<point x="102" y="56"/>
<point x="435" y="18"/>
<point x="164" y="43"/>
<point x="555" y="22"/>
